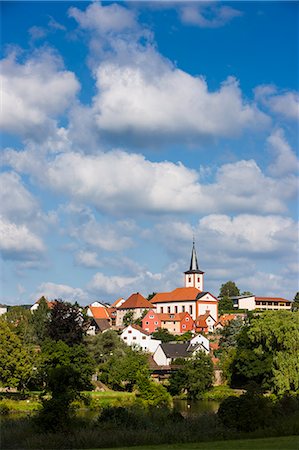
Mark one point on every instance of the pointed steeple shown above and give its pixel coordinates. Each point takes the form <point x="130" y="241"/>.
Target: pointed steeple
<point x="193" y="263"/>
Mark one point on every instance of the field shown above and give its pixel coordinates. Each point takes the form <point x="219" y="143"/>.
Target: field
<point x="281" y="443"/>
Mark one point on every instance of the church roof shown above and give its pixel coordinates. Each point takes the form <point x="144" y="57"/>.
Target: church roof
<point x="136" y="301"/>
<point x="179" y="294"/>
<point x="194" y="263"/>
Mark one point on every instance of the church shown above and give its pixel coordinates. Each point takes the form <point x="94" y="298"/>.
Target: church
<point x="192" y="298"/>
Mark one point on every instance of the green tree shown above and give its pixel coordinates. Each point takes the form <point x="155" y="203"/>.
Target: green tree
<point x="229" y="289"/>
<point x="195" y="376"/>
<point x="163" y="335"/>
<point x="103" y="346"/>
<point x="295" y="304"/>
<point x="150" y="296"/>
<point x="17" y="360"/>
<point x="128" y="318"/>
<point x="152" y="393"/>
<point x="230" y="332"/>
<point x="225" y="304"/>
<point x="67" y="323"/>
<point x="40" y="320"/>
<point x="19" y="320"/>
<point x="139" y="320"/>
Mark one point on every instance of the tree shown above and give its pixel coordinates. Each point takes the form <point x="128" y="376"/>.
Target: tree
<point x="150" y="296"/>
<point x="67" y="323"/>
<point x="295" y="304"/>
<point x="229" y="289"/>
<point x="40" y="320"/>
<point x="152" y="393"/>
<point x="128" y="318"/>
<point x="17" y="360"/>
<point x="195" y="376"/>
<point x="268" y="352"/>
<point x="19" y="320"/>
<point x="225" y="304"/>
<point x="163" y="335"/>
<point x="230" y="332"/>
<point x="139" y="320"/>
<point x="102" y="347"/>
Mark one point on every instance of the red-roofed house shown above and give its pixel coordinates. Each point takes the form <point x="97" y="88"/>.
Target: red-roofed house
<point x="177" y="323"/>
<point x="36" y="304"/>
<point x="136" y="304"/>
<point x="205" y="323"/>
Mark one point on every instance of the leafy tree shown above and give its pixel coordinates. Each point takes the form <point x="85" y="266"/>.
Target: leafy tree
<point x="19" y="320"/>
<point x="225" y="304"/>
<point x="230" y="332"/>
<point x="121" y="373"/>
<point x="184" y="337"/>
<point x="59" y="354"/>
<point x="102" y="347"/>
<point x="128" y="318"/>
<point x="163" y="335"/>
<point x="295" y="304"/>
<point x="17" y="360"/>
<point x="40" y="320"/>
<point x="139" y="320"/>
<point x="229" y="289"/>
<point x="246" y="293"/>
<point x="67" y="323"/>
<point x="152" y="393"/>
<point x="195" y="376"/>
<point x="150" y="296"/>
<point x="268" y="352"/>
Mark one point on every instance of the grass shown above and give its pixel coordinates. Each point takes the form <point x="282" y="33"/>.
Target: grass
<point x="281" y="443"/>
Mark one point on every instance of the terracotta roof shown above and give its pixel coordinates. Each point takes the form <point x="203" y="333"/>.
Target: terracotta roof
<point x="225" y="318"/>
<point x="99" y="312"/>
<point x="111" y="312"/>
<point x="271" y="299"/>
<point x="179" y="294"/>
<point x="115" y="304"/>
<point x="168" y="317"/>
<point x="136" y="301"/>
<point x="214" y="345"/>
<point x="201" y="320"/>
<point x="137" y="327"/>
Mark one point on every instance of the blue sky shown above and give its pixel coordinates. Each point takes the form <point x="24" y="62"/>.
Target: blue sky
<point x="127" y="128"/>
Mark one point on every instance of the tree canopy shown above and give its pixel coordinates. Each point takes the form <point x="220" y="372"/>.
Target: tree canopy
<point x="229" y="289"/>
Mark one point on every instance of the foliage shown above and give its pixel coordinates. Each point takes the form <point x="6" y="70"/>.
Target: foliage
<point x="128" y="318"/>
<point x="19" y="320"/>
<point x="103" y="346"/>
<point x="184" y="337"/>
<point x="225" y="304"/>
<point x="230" y="332"/>
<point x="150" y="296"/>
<point x="163" y="335"/>
<point x="67" y="323"/>
<point x="268" y="352"/>
<point x="17" y="359"/>
<point x="195" y="376"/>
<point x="295" y="304"/>
<point x="40" y="319"/>
<point x="229" y="289"/>
<point x="121" y="373"/>
<point x="56" y="355"/>
<point x="152" y="393"/>
<point x="139" y="320"/>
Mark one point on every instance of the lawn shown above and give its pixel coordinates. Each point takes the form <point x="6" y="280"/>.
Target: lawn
<point x="280" y="443"/>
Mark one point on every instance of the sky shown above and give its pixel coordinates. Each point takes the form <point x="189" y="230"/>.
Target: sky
<point x="130" y="128"/>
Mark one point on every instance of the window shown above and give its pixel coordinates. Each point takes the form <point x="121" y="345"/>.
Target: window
<point x="151" y="317"/>
<point x="168" y="309"/>
<point x="130" y="331"/>
<point x="190" y="309"/>
<point x="258" y="303"/>
<point x="143" y="337"/>
<point x="189" y="279"/>
<point x="264" y="303"/>
<point x="134" y="337"/>
<point x="146" y="323"/>
<point x="198" y="279"/>
<point x="187" y="319"/>
<point x="184" y="326"/>
<point x="161" y="309"/>
<point x="183" y="308"/>
<point x="156" y="323"/>
<point x="176" y="309"/>
<point x="125" y="337"/>
<point x="171" y="316"/>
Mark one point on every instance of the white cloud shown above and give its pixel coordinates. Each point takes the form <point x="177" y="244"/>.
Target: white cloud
<point x="16" y="202"/>
<point x="169" y="103"/>
<point x="207" y="14"/>
<point x="284" y="103"/>
<point x="286" y="160"/>
<point x="34" y="93"/>
<point x="112" y="285"/>
<point x="87" y="259"/>
<point x="55" y="291"/>
<point x="17" y="242"/>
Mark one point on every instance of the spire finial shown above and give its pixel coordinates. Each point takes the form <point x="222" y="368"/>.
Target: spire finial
<point x="193" y="263"/>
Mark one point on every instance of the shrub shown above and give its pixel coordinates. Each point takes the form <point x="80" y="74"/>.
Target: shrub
<point x="4" y="409"/>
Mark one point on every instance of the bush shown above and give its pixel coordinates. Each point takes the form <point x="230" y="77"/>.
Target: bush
<point x="249" y="412"/>
<point x="122" y="417"/>
<point x="4" y="409"/>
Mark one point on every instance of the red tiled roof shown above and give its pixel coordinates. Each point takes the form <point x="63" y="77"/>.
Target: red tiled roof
<point x="168" y="317"/>
<point x="114" y="304"/>
<point x="214" y="345"/>
<point x="226" y="318"/>
<point x="137" y="327"/>
<point x="111" y="312"/>
<point x="136" y="301"/>
<point x="271" y="299"/>
<point x="179" y="294"/>
<point x="99" y="312"/>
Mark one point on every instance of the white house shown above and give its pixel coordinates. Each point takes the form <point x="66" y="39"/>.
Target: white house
<point x="135" y="336"/>
<point x="199" y="339"/>
<point x="3" y="309"/>
<point x="168" y="352"/>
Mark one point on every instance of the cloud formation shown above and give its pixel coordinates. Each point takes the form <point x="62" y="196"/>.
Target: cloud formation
<point x="283" y="103"/>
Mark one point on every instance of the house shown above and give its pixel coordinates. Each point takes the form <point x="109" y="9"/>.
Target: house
<point x="3" y="309"/>
<point x="175" y="323"/>
<point x="98" y="311"/>
<point x="135" y="336"/>
<point x="135" y="304"/>
<point x="200" y="339"/>
<point x="225" y="319"/>
<point x="252" y="302"/>
<point x="112" y="314"/>
<point x="36" y="304"/>
<point x="205" y="323"/>
<point x="191" y="298"/>
<point x="118" y="302"/>
<point x="167" y="353"/>
<point x="98" y="326"/>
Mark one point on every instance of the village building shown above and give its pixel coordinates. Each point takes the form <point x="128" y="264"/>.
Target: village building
<point x="252" y="302"/>
<point x="191" y="298"/>
<point x="174" y="323"/>
<point x="36" y="304"/>
<point x="135" y="336"/>
<point x="167" y="353"/>
<point x="135" y="304"/>
<point x="98" y="326"/>
<point x="3" y="309"/>
<point x="205" y="323"/>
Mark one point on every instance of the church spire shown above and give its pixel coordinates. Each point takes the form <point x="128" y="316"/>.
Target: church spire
<point x="193" y="263"/>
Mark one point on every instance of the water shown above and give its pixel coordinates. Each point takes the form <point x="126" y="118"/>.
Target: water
<point x="195" y="407"/>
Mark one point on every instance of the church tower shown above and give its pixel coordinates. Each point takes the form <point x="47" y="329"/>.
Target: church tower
<point x="194" y="276"/>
